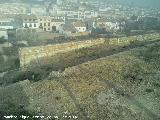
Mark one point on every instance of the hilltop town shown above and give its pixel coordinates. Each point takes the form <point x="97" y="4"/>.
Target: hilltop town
<point x="79" y="59"/>
<point x="66" y="17"/>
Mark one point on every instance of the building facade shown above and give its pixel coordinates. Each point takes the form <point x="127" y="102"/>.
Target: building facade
<point x="6" y="23"/>
<point x="80" y="26"/>
<point x="30" y="21"/>
<point x="47" y="23"/>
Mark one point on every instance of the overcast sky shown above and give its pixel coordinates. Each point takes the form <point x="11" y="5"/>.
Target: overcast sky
<point x="142" y="3"/>
<point x="148" y="3"/>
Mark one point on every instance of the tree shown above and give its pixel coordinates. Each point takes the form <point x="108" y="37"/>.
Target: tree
<point x="2" y="40"/>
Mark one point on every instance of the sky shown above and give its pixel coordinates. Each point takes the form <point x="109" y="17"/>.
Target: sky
<point x="142" y="3"/>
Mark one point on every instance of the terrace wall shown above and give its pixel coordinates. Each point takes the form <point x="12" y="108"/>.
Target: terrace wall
<point x="28" y="54"/>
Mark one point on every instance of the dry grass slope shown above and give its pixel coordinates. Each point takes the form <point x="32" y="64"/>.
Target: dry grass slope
<point x="121" y="86"/>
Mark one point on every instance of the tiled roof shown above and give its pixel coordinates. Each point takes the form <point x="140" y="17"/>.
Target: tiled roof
<point x="24" y="16"/>
<point x="44" y="17"/>
<point x="57" y="20"/>
<point x="69" y="27"/>
<point x="79" y="24"/>
<point x="102" y="20"/>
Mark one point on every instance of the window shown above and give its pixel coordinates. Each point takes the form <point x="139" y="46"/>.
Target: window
<point x="30" y="25"/>
<point x="44" y="24"/>
<point x="26" y="25"/>
<point x="40" y="24"/>
<point x="48" y="24"/>
<point x="48" y="28"/>
<point x="29" y="19"/>
<point x="35" y="25"/>
<point x="44" y="29"/>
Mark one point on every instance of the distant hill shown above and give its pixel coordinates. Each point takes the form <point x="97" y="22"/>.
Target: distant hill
<point x="20" y="1"/>
<point x="141" y="3"/>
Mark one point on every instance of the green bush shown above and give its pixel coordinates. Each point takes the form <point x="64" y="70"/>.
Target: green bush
<point x="2" y="40"/>
<point x="16" y="76"/>
<point x="134" y="73"/>
<point x="151" y="54"/>
<point x="11" y="109"/>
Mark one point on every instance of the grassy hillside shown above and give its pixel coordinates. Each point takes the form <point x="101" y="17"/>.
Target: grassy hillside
<point x="61" y="61"/>
<point x="121" y="86"/>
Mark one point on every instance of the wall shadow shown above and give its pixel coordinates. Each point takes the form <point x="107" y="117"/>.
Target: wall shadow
<point x="13" y="101"/>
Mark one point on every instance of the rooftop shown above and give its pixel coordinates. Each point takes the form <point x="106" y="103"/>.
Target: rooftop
<point x="57" y="20"/>
<point x="25" y="16"/>
<point x="69" y="27"/>
<point x="79" y="24"/>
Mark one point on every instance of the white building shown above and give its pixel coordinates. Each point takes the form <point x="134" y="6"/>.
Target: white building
<point x="112" y="26"/>
<point x="47" y="23"/>
<point x="3" y="33"/>
<point x="6" y="23"/>
<point x="56" y="23"/>
<point x="30" y="25"/>
<point x="30" y="21"/>
<point x="107" y="24"/>
<point x="80" y="26"/>
<point x="90" y="14"/>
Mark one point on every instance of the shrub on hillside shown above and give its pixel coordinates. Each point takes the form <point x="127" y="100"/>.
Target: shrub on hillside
<point x="152" y="54"/>
<point x="2" y="40"/>
<point x="134" y="72"/>
<point x="16" y="76"/>
<point x="15" y="110"/>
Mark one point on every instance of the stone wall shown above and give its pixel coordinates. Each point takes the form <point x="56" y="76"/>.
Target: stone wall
<point x="28" y="54"/>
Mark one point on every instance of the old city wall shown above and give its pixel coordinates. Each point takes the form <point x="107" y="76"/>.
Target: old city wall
<point x="28" y="54"/>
